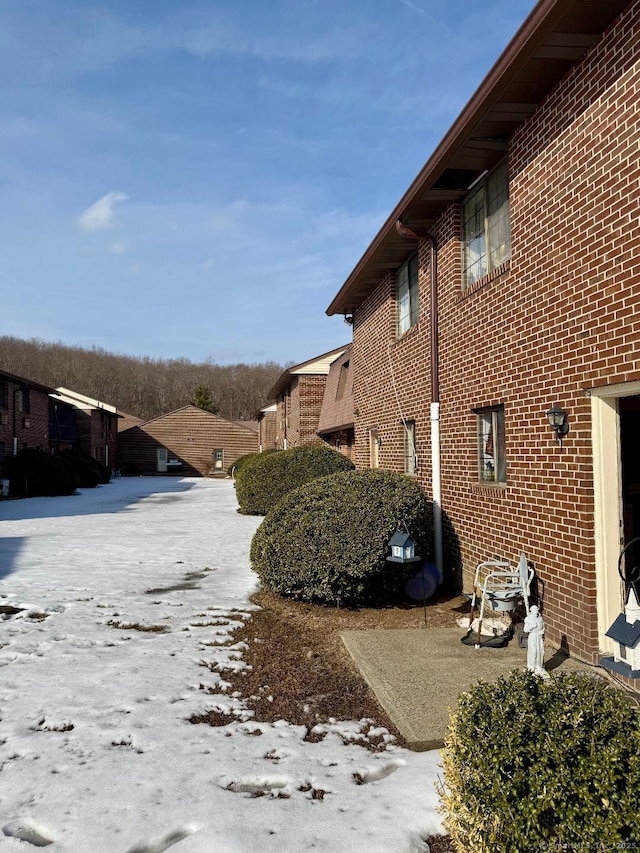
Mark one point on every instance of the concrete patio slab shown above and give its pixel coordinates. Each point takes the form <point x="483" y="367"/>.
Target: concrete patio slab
<point x="417" y="675"/>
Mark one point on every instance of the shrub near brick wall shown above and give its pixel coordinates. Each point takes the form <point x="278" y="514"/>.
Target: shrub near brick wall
<point x="266" y="479"/>
<point x="327" y="541"/>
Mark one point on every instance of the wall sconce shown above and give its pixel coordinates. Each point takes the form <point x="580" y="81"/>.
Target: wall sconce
<point x="378" y="441"/>
<point x="348" y="318"/>
<point x="558" y="420"/>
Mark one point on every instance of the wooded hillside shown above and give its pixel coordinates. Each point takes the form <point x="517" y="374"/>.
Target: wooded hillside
<point x="145" y="387"/>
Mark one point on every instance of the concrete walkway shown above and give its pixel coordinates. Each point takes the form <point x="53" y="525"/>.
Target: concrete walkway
<point x="418" y="674"/>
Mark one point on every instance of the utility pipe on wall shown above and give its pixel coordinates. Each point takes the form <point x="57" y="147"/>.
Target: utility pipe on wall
<point x="436" y="481"/>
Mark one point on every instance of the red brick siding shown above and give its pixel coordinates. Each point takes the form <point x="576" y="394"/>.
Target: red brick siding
<point x="190" y="435"/>
<point x="556" y="320"/>
<point x="267" y="430"/>
<point x="298" y="411"/>
<point x="32" y="428"/>
<point x="98" y="432"/>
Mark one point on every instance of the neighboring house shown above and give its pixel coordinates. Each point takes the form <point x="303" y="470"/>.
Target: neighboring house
<point x="267" y="427"/>
<point x="96" y="422"/>
<point x="335" y="425"/>
<point x="24" y="415"/>
<point x="187" y="441"/>
<point x="505" y="285"/>
<point x="298" y="394"/>
<point x="126" y="421"/>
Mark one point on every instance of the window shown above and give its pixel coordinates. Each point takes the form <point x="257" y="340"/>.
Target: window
<point x="410" y="458"/>
<point x="486" y="231"/>
<point x="4" y="395"/>
<point x="407" y="295"/>
<point x="342" y="380"/>
<point x="25" y="400"/>
<point x="492" y="462"/>
<point x="374" y="446"/>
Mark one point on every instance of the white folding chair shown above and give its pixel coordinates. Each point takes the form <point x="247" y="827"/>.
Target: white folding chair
<point x="502" y="586"/>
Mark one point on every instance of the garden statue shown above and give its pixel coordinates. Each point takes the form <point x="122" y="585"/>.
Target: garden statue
<point x="534" y="626"/>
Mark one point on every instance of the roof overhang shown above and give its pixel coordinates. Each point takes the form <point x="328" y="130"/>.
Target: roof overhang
<point x="552" y="39"/>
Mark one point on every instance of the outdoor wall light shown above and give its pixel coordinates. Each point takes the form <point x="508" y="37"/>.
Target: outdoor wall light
<point x="558" y="420"/>
<point x="403" y="549"/>
<point x="348" y="318"/>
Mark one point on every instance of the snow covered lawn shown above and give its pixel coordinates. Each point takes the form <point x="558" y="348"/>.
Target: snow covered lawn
<point x="128" y="595"/>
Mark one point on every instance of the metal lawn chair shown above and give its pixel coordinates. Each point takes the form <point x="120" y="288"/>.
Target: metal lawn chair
<point x="501" y="586"/>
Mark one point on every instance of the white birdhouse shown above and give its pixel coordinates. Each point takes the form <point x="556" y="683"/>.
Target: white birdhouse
<point x="625" y="632"/>
<point x="403" y="548"/>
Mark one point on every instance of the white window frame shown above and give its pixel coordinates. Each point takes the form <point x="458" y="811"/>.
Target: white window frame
<point x="407" y="295"/>
<point x="492" y="459"/>
<point x="486" y="227"/>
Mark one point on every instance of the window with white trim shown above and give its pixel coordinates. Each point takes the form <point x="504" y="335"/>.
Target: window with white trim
<point x="486" y="228"/>
<point x="407" y="295"/>
<point x="410" y="458"/>
<point x="492" y="462"/>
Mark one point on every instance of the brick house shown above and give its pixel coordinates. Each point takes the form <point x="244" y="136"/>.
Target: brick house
<point x="267" y="427"/>
<point x="188" y="441"/>
<point x="335" y="425"/>
<point x="96" y="423"/>
<point x="298" y="393"/>
<point x="504" y="285"/>
<point x="24" y="415"/>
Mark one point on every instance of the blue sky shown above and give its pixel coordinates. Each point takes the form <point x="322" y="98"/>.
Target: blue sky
<point x="197" y="178"/>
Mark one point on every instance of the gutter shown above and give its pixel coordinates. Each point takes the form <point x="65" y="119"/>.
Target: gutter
<point x="436" y="477"/>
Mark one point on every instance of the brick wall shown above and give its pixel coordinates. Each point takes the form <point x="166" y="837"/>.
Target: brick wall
<point x="191" y="436"/>
<point x="267" y="430"/>
<point x="298" y="411"/>
<point x="32" y="427"/>
<point x="558" y="319"/>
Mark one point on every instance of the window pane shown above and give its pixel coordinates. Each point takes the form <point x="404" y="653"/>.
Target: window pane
<point x="498" y="225"/>
<point x="409" y="429"/>
<point x="474" y="260"/>
<point x="407" y="295"/>
<point x="491" y="446"/>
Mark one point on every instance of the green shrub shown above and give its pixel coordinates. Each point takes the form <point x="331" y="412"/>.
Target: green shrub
<point x="266" y="479"/>
<point x="237" y="466"/>
<point x="34" y="473"/>
<point x="327" y="541"/>
<point x="533" y="765"/>
<point x="90" y="471"/>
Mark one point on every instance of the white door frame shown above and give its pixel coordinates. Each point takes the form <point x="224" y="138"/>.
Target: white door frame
<point x="608" y="509"/>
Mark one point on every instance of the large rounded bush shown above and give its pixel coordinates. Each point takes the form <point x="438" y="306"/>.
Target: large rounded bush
<point x="327" y="541"/>
<point x="90" y="471"/>
<point x="542" y="765"/>
<point x="236" y="467"/>
<point x="266" y="479"/>
<point x="34" y="473"/>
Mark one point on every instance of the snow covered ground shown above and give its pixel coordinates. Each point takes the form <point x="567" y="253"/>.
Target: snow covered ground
<point x="96" y="751"/>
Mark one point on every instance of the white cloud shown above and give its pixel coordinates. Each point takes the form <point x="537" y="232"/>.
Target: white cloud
<point x="426" y="15"/>
<point x="119" y="247"/>
<point x="99" y="217"/>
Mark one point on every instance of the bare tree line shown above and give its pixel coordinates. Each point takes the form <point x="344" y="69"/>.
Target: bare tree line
<point x="140" y="386"/>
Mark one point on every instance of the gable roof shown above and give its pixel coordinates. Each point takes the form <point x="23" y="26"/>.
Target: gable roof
<point x="318" y="366"/>
<point x="555" y="35"/>
<point x="190" y="408"/>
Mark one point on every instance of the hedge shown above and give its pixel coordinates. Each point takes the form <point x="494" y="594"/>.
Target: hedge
<point x="266" y="479"/>
<point x="90" y="471"/>
<point x="34" y="473"/>
<point x="531" y="764"/>
<point x="327" y="541"/>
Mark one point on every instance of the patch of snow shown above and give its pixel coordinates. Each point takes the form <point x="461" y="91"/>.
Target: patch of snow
<point x="96" y="748"/>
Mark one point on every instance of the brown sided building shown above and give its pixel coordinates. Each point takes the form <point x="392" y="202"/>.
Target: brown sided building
<point x="188" y="441"/>
<point x="24" y="415"/>
<point x="503" y="286"/>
